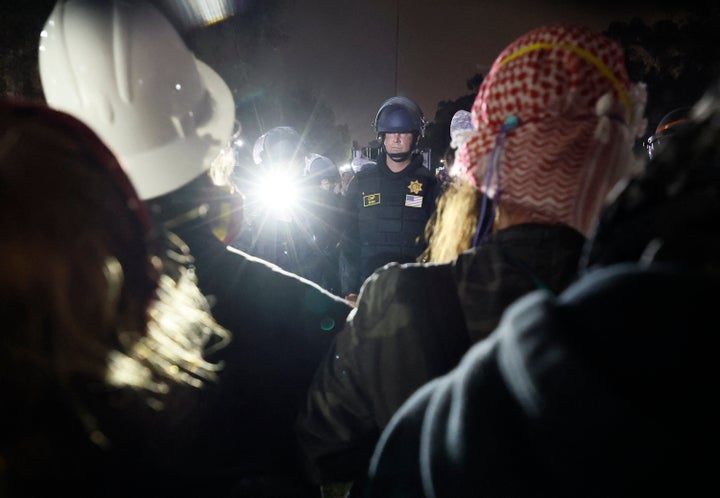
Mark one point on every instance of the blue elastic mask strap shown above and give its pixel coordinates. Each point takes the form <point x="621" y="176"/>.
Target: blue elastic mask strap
<point x="493" y="170"/>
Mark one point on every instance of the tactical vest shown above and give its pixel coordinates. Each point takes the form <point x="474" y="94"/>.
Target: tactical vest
<point x="392" y="211"/>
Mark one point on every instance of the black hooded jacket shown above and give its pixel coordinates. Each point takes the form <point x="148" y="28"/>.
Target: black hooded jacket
<point x="602" y="391"/>
<point x="413" y="323"/>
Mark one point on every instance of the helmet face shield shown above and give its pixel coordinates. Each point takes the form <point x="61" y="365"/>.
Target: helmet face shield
<point x="278" y="148"/>
<point x="320" y="168"/>
<point x="667" y="127"/>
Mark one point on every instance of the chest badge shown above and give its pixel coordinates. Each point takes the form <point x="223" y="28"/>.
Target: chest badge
<point x="371" y="200"/>
<point x="415" y="187"/>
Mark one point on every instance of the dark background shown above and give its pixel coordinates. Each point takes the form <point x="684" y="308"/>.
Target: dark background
<point x="325" y="66"/>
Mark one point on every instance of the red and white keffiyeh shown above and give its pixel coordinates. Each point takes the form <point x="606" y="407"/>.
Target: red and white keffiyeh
<point x="547" y="118"/>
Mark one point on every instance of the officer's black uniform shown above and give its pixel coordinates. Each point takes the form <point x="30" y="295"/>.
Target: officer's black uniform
<point x="387" y="214"/>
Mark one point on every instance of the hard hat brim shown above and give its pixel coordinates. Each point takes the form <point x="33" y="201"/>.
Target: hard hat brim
<point x="164" y="169"/>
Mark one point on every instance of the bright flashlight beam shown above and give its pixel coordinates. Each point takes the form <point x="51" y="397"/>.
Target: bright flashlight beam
<point x="277" y="192"/>
<point x="195" y="13"/>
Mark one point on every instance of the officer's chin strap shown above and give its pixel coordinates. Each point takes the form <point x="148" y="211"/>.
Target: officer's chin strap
<point x="399" y="157"/>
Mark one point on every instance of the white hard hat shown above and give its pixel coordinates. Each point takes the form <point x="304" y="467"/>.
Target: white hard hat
<point x="121" y="67"/>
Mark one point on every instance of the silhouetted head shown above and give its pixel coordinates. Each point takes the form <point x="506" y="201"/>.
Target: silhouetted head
<point x="670" y="212"/>
<point x="555" y="120"/>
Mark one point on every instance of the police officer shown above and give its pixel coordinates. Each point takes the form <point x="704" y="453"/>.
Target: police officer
<point x="273" y="223"/>
<point x="321" y="211"/>
<point x="390" y="202"/>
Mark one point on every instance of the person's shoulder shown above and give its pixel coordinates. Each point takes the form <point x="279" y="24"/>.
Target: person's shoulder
<point x="396" y="276"/>
<point x="397" y="284"/>
<point x="427" y="176"/>
<point x="417" y="168"/>
<point x="425" y="172"/>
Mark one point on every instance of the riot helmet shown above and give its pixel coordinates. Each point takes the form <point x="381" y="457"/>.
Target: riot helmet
<point x="399" y="115"/>
<point x="670" y="211"/>
<point x="281" y="145"/>
<point x="319" y="168"/>
<point x="278" y="155"/>
<point x="99" y="61"/>
<point x="666" y="128"/>
<point x="361" y="163"/>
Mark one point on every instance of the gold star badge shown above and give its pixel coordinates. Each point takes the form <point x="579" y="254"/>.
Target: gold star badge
<point x="415" y="187"/>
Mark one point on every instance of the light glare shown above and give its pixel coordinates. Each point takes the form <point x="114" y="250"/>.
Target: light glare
<point x="277" y="192"/>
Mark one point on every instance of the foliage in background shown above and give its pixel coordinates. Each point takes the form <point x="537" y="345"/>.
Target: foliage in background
<point x="677" y="58"/>
<point x="437" y="132"/>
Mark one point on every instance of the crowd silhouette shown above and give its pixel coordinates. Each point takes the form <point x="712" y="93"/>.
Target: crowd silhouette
<point x="553" y="339"/>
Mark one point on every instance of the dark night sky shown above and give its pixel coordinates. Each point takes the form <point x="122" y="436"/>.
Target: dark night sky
<point x="345" y="50"/>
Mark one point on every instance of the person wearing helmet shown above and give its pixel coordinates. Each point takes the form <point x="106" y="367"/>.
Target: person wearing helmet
<point x="321" y="210"/>
<point x="273" y="227"/>
<point x="120" y="67"/>
<point x="280" y="148"/>
<point x="541" y="162"/>
<point x="668" y="126"/>
<point x="321" y="171"/>
<point x="346" y="174"/>
<point x="604" y="390"/>
<point x="358" y="164"/>
<point x="348" y="270"/>
<point x="389" y="203"/>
